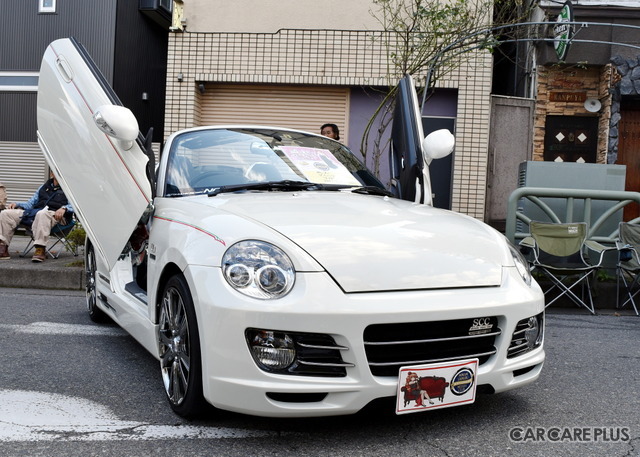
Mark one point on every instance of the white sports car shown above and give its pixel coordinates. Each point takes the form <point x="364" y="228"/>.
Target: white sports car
<point x="272" y="274"/>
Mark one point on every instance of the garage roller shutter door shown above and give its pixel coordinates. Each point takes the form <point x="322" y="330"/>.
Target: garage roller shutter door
<point x="22" y="169"/>
<point x="297" y="107"/>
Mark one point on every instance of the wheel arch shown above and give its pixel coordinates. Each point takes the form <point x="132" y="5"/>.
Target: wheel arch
<point x="169" y="270"/>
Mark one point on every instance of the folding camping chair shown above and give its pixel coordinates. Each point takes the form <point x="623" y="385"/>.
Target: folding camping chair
<point x="628" y="266"/>
<point x="559" y="252"/>
<point x="59" y="234"/>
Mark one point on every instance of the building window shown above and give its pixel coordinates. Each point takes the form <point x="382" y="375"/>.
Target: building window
<point x="46" y="6"/>
<point x="166" y="5"/>
<point x="18" y="81"/>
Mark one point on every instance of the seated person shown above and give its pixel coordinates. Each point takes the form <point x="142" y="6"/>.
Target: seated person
<point x="53" y="207"/>
<point x="3" y="196"/>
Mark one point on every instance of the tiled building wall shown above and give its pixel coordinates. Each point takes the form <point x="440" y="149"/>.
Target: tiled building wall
<point x="595" y="81"/>
<point x="328" y="57"/>
<point x="473" y="80"/>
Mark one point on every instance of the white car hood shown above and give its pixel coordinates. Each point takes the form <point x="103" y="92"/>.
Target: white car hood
<point x="369" y="243"/>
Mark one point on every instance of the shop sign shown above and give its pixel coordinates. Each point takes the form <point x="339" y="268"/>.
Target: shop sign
<point x="563" y="30"/>
<point x="568" y="97"/>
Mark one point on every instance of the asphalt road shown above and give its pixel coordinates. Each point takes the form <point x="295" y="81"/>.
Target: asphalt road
<point x="70" y="387"/>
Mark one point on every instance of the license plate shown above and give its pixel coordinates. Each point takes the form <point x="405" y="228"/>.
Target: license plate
<point x="436" y="385"/>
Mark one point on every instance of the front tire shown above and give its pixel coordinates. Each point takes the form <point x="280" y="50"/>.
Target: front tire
<point x="90" y="279"/>
<point x="179" y="349"/>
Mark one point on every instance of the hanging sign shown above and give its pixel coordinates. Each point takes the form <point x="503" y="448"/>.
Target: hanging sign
<point x="563" y="30"/>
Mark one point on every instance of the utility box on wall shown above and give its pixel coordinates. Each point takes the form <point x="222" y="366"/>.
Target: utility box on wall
<point x="572" y="175"/>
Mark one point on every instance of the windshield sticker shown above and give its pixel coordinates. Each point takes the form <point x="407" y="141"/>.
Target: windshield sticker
<point x="319" y="165"/>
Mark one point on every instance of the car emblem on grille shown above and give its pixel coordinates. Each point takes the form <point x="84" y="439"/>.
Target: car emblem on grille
<point x="481" y="326"/>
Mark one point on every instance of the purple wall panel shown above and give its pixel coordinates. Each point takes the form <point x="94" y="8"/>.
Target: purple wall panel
<point x="365" y="100"/>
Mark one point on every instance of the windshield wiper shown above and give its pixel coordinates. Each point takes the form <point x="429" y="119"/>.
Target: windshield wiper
<point x="286" y="185"/>
<point x="271" y="185"/>
<point x="372" y="190"/>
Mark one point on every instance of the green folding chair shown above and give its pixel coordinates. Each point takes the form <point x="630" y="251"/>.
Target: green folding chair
<point x="628" y="266"/>
<point x="559" y="251"/>
<point x="59" y="234"/>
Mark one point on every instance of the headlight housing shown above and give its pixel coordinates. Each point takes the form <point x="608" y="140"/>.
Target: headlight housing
<point x="258" y="269"/>
<point x="521" y="264"/>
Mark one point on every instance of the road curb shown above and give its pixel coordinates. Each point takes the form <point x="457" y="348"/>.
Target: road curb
<point x="65" y="273"/>
<point x="41" y="277"/>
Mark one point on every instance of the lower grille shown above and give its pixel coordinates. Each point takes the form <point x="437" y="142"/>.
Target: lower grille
<point x="318" y="355"/>
<point x="391" y="346"/>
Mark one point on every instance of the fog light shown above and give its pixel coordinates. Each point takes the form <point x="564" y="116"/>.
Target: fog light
<point x="272" y="351"/>
<point x="533" y="333"/>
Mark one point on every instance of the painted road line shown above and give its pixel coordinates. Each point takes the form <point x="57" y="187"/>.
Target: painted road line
<point x="57" y="328"/>
<point x="41" y="416"/>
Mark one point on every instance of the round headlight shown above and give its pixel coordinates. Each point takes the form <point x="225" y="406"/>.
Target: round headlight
<point x="272" y="279"/>
<point x="239" y="275"/>
<point x="258" y="269"/>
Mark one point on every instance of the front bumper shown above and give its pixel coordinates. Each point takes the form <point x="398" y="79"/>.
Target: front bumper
<point x="233" y="381"/>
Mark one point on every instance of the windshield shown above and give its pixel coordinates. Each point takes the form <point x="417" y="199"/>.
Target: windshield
<point x="203" y="161"/>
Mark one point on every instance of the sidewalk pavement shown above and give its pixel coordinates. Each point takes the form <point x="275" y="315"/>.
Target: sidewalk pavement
<point x="65" y="272"/>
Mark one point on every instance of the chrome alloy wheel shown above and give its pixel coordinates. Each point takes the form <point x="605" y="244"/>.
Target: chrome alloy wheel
<point x="175" y="358"/>
<point x="179" y="349"/>
<point x="91" y="290"/>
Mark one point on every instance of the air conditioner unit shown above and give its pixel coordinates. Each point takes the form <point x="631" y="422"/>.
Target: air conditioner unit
<point x="158" y="11"/>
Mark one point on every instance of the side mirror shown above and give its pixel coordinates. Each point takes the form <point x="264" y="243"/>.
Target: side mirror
<point x="438" y="144"/>
<point x="117" y="122"/>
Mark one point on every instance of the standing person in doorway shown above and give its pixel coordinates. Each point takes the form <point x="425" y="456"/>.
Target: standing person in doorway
<point x="330" y="131"/>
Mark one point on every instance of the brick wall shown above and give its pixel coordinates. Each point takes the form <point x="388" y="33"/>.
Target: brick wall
<point x="594" y="82"/>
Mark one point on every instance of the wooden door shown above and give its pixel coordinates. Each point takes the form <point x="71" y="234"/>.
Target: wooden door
<point x="629" y="153"/>
<point x="571" y="138"/>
